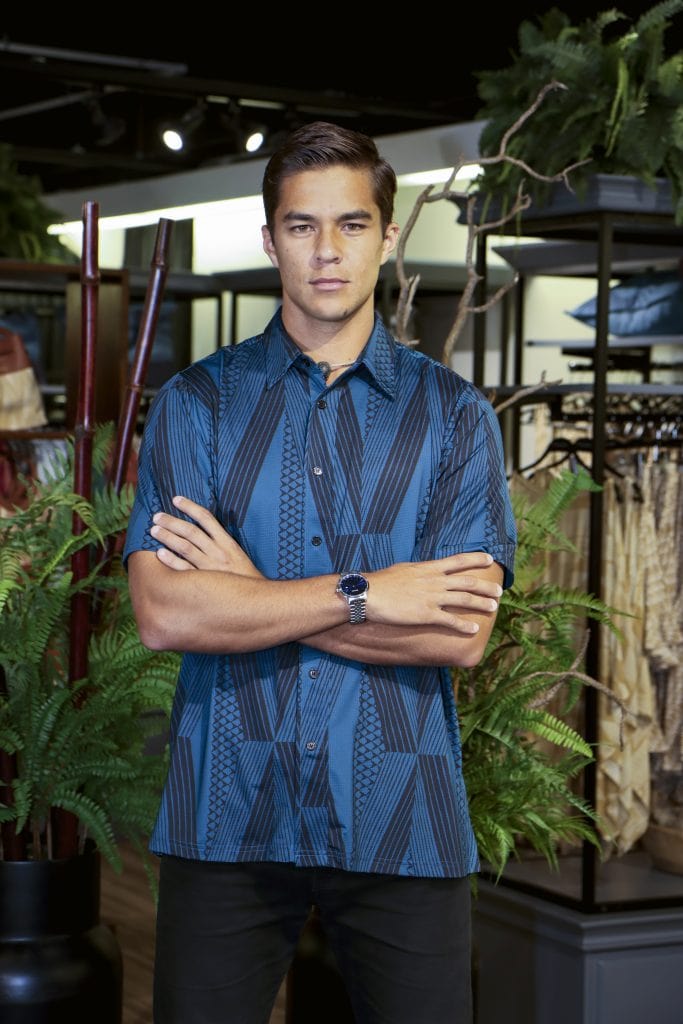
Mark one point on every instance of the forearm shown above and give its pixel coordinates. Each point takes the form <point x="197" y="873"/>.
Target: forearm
<point x="437" y="612"/>
<point x="223" y="612"/>
<point x="377" y="644"/>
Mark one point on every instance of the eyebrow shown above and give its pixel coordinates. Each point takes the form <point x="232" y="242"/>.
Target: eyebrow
<point x="308" y="217"/>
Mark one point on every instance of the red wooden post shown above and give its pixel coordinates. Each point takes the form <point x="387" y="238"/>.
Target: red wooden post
<point x="130" y="405"/>
<point x="138" y="373"/>
<point x="65" y="824"/>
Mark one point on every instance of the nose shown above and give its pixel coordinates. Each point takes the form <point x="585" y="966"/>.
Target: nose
<point x="327" y="251"/>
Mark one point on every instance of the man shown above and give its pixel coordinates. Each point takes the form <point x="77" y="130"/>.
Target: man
<point x="340" y="535"/>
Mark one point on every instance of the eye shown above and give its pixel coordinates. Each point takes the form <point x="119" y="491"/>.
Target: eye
<point x="354" y="227"/>
<point x="300" y="229"/>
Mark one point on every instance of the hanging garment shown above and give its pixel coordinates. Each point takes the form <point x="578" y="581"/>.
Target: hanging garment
<point x="623" y="776"/>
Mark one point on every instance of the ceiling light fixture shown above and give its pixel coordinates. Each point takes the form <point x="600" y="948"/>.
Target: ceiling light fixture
<point x="254" y="140"/>
<point x="176" y="134"/>
<point x="109" y="128"/>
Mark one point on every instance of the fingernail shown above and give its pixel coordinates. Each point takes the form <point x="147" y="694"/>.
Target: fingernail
<point x="177" y="499"/>
<point x="499" y="590"/>
<point x="154" y="531"/>
<point x="493" y="606"/>
<point x="155" y="517"/>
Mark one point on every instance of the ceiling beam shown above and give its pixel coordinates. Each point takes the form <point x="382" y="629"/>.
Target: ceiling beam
<point x="184" y="86"/>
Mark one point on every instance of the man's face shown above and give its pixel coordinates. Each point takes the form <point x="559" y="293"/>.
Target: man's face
<point x="328" y="245"/>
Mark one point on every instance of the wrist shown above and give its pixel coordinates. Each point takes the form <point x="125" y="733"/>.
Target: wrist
<point x="353" y="587"/>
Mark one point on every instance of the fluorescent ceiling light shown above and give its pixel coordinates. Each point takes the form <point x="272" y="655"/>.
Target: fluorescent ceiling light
<point x="441" y="175"/>
<point x="245" y="204"/>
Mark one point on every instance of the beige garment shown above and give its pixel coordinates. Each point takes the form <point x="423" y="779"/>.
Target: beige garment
<point x="623" y="778"/>
<point x="664" y="617"/>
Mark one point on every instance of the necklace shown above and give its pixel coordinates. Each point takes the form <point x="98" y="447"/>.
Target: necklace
<point x="327" y="368"/>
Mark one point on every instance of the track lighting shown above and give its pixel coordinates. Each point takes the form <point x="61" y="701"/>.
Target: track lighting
<point x="109" y="129"/>
<point x="254" y="139"/>
<point x="176" y="134"/>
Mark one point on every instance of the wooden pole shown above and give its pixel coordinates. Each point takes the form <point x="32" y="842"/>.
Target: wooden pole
<point x="65" y="824"/>
<point x="138" y="374"/>
<point x="130" y="406"/>
<point x="83" y="435"/>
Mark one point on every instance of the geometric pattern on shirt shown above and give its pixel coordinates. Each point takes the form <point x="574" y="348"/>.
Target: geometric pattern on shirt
<point x="400" y="441"/>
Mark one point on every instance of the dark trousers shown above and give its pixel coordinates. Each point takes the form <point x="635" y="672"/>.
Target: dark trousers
<point x="226" y="936"/>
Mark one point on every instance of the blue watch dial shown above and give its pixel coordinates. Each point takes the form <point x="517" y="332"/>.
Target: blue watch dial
<point x="353" y="584"/>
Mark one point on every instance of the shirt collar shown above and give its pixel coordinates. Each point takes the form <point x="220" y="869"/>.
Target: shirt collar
<point x="378" y="356"/>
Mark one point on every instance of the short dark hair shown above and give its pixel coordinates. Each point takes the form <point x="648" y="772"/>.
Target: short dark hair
<point x="321" y="144"/>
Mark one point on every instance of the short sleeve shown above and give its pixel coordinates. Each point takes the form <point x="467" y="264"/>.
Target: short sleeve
<point x="175" y="458"/>
<point x="470" y="507"/>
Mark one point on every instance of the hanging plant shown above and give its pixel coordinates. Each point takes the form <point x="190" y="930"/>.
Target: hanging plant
<point x="25" y="217"/>
<point x="617" y="105"/>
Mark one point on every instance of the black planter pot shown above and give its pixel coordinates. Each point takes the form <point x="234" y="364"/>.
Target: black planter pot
<point x="58" y="963"/>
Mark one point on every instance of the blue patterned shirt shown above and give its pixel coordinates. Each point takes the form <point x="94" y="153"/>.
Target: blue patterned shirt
<point x="289" y="754"/>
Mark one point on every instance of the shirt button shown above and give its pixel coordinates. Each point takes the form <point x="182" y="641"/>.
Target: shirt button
<point x="311" y="745"/>
<point x="317" y="471"/>
<point x="321" y="403"/>
<point x="316" y="541"/>
<point x="313" y="673"/>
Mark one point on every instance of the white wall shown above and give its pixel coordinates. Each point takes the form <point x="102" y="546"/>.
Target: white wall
<point x="231" y="240"/>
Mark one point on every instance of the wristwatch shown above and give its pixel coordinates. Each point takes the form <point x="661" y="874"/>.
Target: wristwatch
<point x="353" y="587"/>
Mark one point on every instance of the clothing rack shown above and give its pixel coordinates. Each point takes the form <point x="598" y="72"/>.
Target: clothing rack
<point x="606" y="407"/>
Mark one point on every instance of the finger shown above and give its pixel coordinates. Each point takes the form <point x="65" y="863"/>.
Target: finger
<point x="478" y="585"/>
<point x="172" y="527"/>
<point x="465" y="560"/>
<point x="201" y="515"/>
<point x="463" y="626"/>
<point x="471" y="602"/>
<point x="183" y="546"/>
<point x="173" y="561"/>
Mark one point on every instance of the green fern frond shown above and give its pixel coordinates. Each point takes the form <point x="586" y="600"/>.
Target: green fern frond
<point x="94" y="817"/>
<point x="610" y="68"/>
<point x="522" y="761"/>
<point x="78" y="745"/>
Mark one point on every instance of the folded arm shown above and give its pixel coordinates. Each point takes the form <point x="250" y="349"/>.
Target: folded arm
<point x="201" y="592"/>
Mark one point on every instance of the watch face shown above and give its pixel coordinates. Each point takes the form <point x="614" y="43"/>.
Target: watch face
<point x="353" y="584"/>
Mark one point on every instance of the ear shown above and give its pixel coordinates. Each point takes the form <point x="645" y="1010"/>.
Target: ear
<point x="390" y="241"/>
<point x="268" y="246"/>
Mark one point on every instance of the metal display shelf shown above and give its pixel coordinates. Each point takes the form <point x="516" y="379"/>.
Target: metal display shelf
<point x="619" y="224"/>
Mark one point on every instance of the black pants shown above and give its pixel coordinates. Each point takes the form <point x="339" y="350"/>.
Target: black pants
<point x="226" y="935"/>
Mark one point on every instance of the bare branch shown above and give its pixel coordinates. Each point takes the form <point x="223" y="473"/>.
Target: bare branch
<point x="522" y="393"/>
<point x="473" y="206"/>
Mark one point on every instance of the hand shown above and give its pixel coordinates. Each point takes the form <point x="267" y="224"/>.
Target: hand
<point x="431" y="593"/>
<point x="203" y="546"/>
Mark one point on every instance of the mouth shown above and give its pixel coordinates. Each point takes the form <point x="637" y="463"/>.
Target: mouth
<point x="328" y="284"/>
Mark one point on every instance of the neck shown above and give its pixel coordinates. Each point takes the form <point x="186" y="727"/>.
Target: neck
<point x="329" y="341"/>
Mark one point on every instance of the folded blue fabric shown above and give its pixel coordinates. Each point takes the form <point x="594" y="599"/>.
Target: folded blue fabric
<point x="648" y="303"/>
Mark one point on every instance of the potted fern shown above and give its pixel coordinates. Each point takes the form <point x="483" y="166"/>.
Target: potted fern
<point x="613" y="112"/>
<point x="73" y="748"/>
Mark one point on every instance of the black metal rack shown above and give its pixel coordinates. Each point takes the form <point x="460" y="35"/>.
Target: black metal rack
<point x="619" y="216"/>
